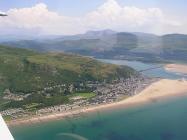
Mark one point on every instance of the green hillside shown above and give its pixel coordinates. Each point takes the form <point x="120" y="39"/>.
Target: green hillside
<point x="115" y="45"/>
<point x="24" y="71"/>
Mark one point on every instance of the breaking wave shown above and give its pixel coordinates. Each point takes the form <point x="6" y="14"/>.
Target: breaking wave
<point x="70" y="135"/>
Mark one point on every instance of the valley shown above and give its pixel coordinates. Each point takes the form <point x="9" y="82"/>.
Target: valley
<point x="109" y="44"/>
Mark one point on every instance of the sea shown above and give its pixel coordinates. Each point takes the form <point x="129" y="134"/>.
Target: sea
<point x="160" y="120"/>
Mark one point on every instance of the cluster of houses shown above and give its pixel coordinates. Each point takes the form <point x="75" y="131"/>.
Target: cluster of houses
<point x="61" y="108"/>
<point x="11" y="112"/>
<point x="124" y="87"/>
<point x="50" y="88"/>
<point x="105" y="93"/>
<point x="8" y="95"/>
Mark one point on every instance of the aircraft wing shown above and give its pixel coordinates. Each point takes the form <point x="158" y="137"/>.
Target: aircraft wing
<point x="2" y="14"/>
<point x="4" y="131"/>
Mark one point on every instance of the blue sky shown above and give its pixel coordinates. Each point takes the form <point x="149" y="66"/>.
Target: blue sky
<point x="79" y="7"/>
<point x="78" y="16"/>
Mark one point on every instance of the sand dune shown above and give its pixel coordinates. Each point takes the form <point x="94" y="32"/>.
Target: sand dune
<point x="161" y="89"/>
<point x="176" y="68"/>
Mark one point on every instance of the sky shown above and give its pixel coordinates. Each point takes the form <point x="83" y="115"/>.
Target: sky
<point x="66" y="17"/>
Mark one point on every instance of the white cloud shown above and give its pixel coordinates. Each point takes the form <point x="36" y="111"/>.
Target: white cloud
<point x="112" y="15"/>
<point x="109" y="15"/>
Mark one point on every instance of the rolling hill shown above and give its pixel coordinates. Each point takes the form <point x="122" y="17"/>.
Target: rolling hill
<point x="114" y="45"/>
<point x="24" y="71"/>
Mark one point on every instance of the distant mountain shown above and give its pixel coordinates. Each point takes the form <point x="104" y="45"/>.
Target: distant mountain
<point x="6" y="38"/>
<point x="114" y="45"/>
<point x="99" y="34"/>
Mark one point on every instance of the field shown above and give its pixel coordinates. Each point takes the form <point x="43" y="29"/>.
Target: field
<point x="84" y="95"/>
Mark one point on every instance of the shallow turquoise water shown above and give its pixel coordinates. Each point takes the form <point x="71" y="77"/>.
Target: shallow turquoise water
<point x="161" y="120"/>
<point x="159" y="72"/>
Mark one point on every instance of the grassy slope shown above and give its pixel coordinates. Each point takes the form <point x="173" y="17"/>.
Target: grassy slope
<point x="84" y="95"/>
<point x="25" y="71"/>
<point x="133" y="46"/>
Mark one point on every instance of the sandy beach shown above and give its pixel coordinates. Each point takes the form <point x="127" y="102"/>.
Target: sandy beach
<point x="178" y="68"/>
<point x="156" y="91"/>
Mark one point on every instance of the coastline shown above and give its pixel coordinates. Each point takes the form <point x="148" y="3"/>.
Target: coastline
<point x="158" y="90"/>
<point x="177" y="68"/>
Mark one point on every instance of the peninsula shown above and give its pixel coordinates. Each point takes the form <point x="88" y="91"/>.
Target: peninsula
<point x="157" y="91"/>
<point x="178" y="68"/>
<point x="36" y="87"/>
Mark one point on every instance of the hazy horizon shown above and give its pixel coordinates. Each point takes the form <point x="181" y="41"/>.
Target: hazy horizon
<point x="83" y="33"/>
<point x="46" y="17"/>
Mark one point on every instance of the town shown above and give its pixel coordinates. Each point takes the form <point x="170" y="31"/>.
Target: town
<point x="104" y="93"/>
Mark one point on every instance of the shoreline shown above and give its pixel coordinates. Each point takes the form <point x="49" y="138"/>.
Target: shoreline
<point x="177" y="68"/>
<point x="156" y="91"/>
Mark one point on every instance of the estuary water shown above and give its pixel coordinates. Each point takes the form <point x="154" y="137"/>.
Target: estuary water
<point x="149" y="69"/>
<point x="161" y="120"/>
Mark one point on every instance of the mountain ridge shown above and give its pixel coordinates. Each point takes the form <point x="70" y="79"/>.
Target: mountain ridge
<point x="114" y="45"/>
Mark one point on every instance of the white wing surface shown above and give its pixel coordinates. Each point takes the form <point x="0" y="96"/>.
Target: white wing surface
<point x="4" y="131"/>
